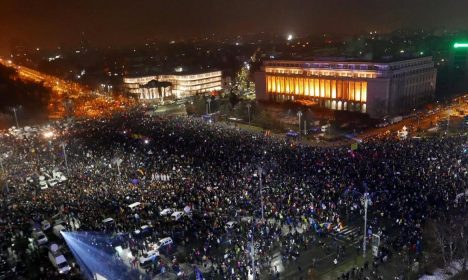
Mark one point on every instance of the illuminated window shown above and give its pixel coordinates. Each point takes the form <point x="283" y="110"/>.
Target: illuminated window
<point x="317" y="87"/>
<point x="327" y="88"/>
<point x="306" y="87"/>
<point x="351" y="90"/>
<point x="333" y="89"/>
<point x="322" y="88"/>
<point x="357" y="91"/>
<point x="364" y="92"/>
<point x="269" y="84"/>
<point x="291" y="84"/>
<point x="296" y="86"/>
<point x="339" y="87"/>
<point x="339" y="105"/>
<point x="345" y="90"/>
<point x="364" y="108"/>
<point x="333" y="105"/>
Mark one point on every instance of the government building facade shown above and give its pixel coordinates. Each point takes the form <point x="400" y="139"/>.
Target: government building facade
<point x="177" y="85"/>
<point x="373" y="88"/>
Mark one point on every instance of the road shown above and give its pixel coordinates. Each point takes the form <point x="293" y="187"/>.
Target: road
<point x="84" y="101"/>
<point x="426" y="120"/>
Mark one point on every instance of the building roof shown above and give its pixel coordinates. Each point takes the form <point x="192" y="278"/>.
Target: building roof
<point x="353" y="60"/>
<point x="185" y="71"/>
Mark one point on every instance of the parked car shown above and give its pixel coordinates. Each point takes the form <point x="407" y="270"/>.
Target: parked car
<point x="149" y="257"/>
<point x="163" y="243"/>
<point x="143" y="231"/>
<point x="166" y="212"/>
<point x="177" y="215"/>
<point x="40" y="238"/>
<point x="58" y="260"/>
<point x="45" y="225"/>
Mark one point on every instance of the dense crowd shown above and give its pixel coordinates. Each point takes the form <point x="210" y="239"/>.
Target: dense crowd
<point x="213" y="169"/>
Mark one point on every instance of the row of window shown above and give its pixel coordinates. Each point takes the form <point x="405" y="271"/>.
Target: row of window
<point x="331" y="104"/>
<point x="322" y="73"/>
<point x="324" y="88"/>
<point x="144" y="80"/>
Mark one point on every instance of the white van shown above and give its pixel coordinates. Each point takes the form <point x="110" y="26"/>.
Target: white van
<point x="177" y="215"/>
<point x="58" y="260"/>
<point x="163" y="242"/>
<point x="134" y="206"/>
<point x="108" y="221"/>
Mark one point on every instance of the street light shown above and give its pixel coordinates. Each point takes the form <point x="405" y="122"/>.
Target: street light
<point x="15" y="110"/>
<point x="118" y="161"/>
<point x="248" y="109"/>
<point x="365" y="201"/>
<point x="448" y="122"/>
<point x="260" y="171"/>
<point x="63" y="145"/>
<point x="252" y="246"/>
<point x="209" y="105"/>
<point x="3" y="171"/>
<point x="299" y="115"/>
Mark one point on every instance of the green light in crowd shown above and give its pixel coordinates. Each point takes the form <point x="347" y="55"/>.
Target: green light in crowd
<point x="460" y="45"/>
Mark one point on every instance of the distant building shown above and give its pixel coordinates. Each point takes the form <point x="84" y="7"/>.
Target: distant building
<point x="458" y="67"/>
<point x="374" y="88"/>
<point x="177" y="85"/>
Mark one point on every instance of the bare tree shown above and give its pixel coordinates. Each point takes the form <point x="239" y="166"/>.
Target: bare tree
<point x="450" y="233"/>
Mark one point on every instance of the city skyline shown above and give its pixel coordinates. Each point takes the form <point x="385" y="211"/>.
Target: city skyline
<point x="48" y="23"/>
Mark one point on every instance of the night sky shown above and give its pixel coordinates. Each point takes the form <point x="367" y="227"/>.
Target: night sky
<point x="46" y="23"/>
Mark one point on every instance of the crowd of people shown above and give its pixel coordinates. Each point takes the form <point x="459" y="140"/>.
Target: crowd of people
<point x="283" y="195"/>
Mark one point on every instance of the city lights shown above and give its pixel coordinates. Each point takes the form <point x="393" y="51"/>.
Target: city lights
<point x="48" y="134"/>
<point x="460" y="45"/>
<point x="290" y="37"/>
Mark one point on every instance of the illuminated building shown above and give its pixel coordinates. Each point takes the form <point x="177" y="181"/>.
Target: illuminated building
<point x="177" y="85"/>
<point x="377" y="89"/>
<point x="458" y="67"/>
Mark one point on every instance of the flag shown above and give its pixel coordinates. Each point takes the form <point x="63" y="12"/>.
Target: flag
<point x="198" y="274"/>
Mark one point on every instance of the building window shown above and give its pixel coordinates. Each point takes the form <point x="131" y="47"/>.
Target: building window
<point x="357" y="91"/>
<point x="322" y="88"/>
<point x="333" y="89"/>
<point x="364" y="92"/>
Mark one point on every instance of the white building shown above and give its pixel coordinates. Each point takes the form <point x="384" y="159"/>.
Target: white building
<point x="178" y="85"/>
<point x="374" y="88"/>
